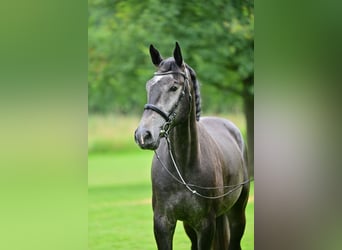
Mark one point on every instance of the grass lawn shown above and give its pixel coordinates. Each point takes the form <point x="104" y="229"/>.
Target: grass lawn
<point x="120" y="212"/>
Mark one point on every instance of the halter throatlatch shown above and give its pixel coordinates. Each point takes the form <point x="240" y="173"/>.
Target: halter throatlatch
<point x="169" y="118"/>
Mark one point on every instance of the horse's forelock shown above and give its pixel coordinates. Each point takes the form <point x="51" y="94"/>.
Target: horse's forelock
<point x="168" y="64"/>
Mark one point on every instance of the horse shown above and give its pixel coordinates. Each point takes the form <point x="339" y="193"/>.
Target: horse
<point x="199" y="169"/>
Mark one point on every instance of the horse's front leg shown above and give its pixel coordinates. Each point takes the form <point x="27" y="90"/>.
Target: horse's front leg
<point x="164" y="229"/>
<point x="206" y="234"/>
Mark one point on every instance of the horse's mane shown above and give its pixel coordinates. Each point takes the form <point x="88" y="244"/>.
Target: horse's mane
<point x="196" y="90"/>
<point x="169" y="64"/>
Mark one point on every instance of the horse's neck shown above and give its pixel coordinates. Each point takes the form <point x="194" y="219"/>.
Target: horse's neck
<point x="184" y="141"/>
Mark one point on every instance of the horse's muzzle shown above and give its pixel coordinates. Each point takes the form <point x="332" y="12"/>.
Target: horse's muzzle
<point x="145" y="140"/>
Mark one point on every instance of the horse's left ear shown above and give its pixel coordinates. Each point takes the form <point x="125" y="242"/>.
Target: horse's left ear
<point x="155" y="56"/>
<point x="177" y="54"/>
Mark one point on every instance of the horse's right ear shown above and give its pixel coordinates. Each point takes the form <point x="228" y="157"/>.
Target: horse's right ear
<point x="155" y="56"/>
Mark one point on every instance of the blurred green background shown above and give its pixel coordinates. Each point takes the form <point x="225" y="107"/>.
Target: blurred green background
<point x="44" y="103"/>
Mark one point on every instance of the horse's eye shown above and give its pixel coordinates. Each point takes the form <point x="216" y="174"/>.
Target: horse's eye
<point x="173" y="88"/>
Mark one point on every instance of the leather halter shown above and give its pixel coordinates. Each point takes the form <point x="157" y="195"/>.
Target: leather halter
<point x="169" y="118"/>
<point x="156" y="109"/>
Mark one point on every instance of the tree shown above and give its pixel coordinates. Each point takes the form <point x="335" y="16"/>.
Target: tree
<point x="217" y="40"/>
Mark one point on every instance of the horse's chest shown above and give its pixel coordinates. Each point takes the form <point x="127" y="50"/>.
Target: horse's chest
<point x="185" y="206"/>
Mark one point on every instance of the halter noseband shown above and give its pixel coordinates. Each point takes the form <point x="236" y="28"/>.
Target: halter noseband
<point x="169" y="118"/>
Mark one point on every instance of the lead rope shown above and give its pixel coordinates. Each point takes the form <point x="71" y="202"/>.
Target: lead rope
<point x="235" y="187"/>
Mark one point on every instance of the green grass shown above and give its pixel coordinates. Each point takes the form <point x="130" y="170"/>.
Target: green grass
<point x="120" y="213"/>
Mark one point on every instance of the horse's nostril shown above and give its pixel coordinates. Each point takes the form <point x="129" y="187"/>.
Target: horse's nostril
<point x="143" y="136"/>
<point x="147" y="135"/>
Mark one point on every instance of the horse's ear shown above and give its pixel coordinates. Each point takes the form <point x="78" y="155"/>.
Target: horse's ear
<point x="177" y="54"/>
<point x="155" y="56"/>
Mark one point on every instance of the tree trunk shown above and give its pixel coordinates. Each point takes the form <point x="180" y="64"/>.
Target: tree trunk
<point x="248" y="99"/>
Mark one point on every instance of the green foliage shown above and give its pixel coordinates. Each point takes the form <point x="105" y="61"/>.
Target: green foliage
<point x="216" y="38"/>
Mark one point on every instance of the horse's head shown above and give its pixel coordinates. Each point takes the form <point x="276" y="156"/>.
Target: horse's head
<point x="168" y="98"/>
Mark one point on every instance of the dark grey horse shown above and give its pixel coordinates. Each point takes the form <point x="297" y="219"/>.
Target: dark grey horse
<point x="199" y="170"/>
